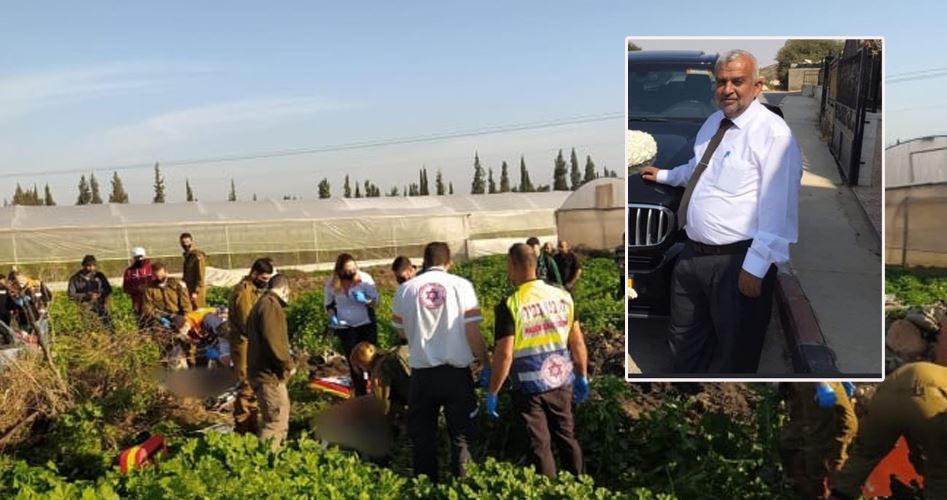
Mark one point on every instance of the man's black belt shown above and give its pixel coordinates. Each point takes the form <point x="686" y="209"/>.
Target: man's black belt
<point x="728" y="249"/>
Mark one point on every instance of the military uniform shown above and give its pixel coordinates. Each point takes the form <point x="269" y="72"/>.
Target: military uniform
<point x="391" y="381"/>
<point x="911" y="402"/>
<point x="245" y="408"/>
<point x="814" y="443"/>
<point x="193" y="276"/>
<point x="269" y="365"/>
<point x="165" y="300"/>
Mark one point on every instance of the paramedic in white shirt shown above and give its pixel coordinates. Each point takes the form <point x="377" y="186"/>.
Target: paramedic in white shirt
<point x="741" y="217"/>
<point x="440" y="316"/>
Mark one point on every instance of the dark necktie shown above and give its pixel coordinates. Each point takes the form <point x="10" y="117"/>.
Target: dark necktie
<point x="704" y="161"/>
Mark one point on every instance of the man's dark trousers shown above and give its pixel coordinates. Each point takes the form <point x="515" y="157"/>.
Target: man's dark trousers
<point x="709" y="314"/>
<point x="547" y="416"/>
<point x="453" y="389"/>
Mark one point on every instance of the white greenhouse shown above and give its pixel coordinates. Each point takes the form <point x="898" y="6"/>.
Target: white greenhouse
<point x="50" y="241"/>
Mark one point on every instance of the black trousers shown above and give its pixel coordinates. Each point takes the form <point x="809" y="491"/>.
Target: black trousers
<point x="709" y="315"/>
<point x="548" y="417"/>
<point x="431" y="389"/>
<point x="350" y="337"/>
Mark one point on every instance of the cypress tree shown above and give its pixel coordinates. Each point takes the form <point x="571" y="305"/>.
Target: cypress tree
<point x="491" y="184"/>
<point x="526" y="185"/>
<point x="94" y="184"/>
<point x="48" y="197"/>
<point x="559" y="182"/>
<point x="188" y="192"/>
<point x="439" y="183"/>
<point x="85" y="193"/>
<point x="478" y="185"/>
<point x="324" y="189"/>
<point x="158" y="186"/>
<point x="590" y="174"/>
<point x="574" y="177"/>
<point x="233" y="191"/>
<point x="346" y="188"/>
<point x="118" y="194"/>
<point x="504" y="178"/>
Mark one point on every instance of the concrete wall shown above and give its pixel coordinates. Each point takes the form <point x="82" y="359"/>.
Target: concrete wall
<point x="799" y="76"/>
<point x="871" y="147"/>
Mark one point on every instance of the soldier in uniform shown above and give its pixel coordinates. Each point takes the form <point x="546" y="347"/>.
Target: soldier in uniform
<point x="911" y="402"/>
<point x="242" y="299"/>
<point x="164" y="298"/>
<point x="194" y="271"/>
<point x="815" y="441"/>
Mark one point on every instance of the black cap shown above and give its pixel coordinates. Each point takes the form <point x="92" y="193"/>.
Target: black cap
<point x="88" y="259"/>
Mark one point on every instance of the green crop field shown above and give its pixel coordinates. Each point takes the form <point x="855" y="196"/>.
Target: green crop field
<point x="61" y="440"/>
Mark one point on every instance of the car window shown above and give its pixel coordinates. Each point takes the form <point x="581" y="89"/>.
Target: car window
<point x="670" y="91"/>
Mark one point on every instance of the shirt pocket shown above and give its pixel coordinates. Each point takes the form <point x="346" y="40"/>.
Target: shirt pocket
<point x="736" y="176"/>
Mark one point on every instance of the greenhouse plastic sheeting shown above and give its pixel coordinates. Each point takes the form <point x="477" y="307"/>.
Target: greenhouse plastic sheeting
<point x="593" y="216"/>
<point x="294" y="232"/>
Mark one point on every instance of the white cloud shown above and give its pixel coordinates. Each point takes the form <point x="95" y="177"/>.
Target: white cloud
<point x="24" y="93"/>
<point x="188" y="128"/>
<point x="180" y="124"/>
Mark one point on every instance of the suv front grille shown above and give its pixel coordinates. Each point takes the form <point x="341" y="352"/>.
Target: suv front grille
<point x="648" y="225"/>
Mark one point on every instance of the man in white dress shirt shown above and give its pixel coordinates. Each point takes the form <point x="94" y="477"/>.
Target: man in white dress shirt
<point x="740" y="211"/>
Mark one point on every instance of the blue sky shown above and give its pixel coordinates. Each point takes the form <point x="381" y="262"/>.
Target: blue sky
<point x="106" y="84"/>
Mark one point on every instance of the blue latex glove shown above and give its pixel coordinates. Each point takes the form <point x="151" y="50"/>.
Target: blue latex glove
<point x="492" y="401"/>
<point x="360" y="297"/>
<point x="165" y="322"/>
<point x="580" y="389"/>
<point x="825" y="395"/>
<point x="849" y="388"/>
<point x="212" y="353"/>
<point x="485" y="377"/>
<point x="334" y="320"/>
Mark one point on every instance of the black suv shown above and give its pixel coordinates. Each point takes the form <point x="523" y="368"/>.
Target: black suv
<point x="670" y="95"/>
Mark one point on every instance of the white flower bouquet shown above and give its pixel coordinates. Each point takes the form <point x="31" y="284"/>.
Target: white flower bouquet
<point x="641" y="149"/>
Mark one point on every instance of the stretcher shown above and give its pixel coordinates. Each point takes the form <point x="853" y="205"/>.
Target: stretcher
<point x="896" y="465"/>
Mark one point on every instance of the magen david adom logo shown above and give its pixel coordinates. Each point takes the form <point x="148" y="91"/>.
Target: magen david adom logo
<point x="432" y="295"/>
<point x="556" y="370"/>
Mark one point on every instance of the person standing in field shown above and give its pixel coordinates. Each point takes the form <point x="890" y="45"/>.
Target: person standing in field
<point x="439" y="315"/>
<point x="568" y="264"/>
<point x="136" y="278"/>
<point x="540" y="347"/>
<point x="92" y="289"/>
<point x="546" y="268"/>
<point x="269" y="363"/>
<point x="194" y="273"/>
<point x="242" y="299"/>
<point x="350" y="298"/>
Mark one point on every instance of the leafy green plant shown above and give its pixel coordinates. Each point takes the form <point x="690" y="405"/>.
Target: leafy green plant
<point x="916" y="286"/>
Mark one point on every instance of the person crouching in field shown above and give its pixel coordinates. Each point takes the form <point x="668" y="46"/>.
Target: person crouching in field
<point x="164" y="298"/>
<point x="390" y="376"/>
<point x="350" y="298"/>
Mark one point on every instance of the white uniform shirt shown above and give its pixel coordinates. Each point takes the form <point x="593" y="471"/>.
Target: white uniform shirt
<point x="750" y="189"/>
<point x="348" y="309"/>
<point x="433" y="309"/>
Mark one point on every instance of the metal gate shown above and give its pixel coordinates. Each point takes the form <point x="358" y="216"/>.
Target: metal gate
<point x="852" y="89"/>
